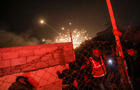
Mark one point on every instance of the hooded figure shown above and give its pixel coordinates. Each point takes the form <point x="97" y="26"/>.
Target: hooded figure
<point x="21" y="83"/>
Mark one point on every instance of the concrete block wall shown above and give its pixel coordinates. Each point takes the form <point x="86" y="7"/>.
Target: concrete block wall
<point x="43" y="79"/>
<point x="28" y="58"/>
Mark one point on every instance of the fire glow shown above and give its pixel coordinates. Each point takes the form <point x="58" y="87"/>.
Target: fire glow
<point x="78" y="36"/>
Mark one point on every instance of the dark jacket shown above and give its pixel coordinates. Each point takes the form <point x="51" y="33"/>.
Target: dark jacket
<point x="19" y="86"/>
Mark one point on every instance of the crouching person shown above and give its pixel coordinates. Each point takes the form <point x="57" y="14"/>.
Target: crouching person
<point x="21" y="83"/>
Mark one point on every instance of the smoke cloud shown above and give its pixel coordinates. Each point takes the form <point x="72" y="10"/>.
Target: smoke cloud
<point x="10" y="39"/>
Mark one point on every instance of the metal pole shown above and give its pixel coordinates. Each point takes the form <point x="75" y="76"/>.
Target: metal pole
<point x="119" y="51"/>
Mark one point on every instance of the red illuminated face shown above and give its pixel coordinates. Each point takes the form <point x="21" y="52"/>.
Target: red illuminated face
<point x="96" y="52"/>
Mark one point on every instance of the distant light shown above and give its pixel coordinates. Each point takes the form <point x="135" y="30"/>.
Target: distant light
<point x="42" y="21"/>
<point x="110" y="61"/>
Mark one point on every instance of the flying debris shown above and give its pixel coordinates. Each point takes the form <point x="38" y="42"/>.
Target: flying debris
<point x="78" y="36"/>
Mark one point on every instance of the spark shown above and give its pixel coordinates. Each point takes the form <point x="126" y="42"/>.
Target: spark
<point x="78" y="35"/>
<point x="62" y="28"/>
<point x="43" y="39"/>
<point x="70" y="23"/>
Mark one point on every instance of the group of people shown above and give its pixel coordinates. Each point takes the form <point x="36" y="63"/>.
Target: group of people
<point x="90" y="74"/>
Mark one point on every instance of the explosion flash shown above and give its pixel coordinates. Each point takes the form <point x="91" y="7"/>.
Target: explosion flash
<point x="78" y="36"/>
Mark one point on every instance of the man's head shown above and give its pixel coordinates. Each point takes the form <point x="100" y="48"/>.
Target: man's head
<point x="131" y="52"/>
<point x="96" y="52"/>
<point x="21" y="79"/>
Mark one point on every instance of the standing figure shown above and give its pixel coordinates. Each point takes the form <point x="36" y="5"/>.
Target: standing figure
<point x="98" y="66"/>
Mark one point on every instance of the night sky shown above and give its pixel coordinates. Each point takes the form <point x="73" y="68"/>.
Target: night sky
<point x="18" y="18"/>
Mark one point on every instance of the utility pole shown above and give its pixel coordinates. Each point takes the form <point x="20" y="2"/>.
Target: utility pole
<point x="119" y="51"/>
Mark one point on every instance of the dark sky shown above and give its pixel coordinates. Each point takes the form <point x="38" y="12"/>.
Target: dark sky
<point x="20" y="15"/>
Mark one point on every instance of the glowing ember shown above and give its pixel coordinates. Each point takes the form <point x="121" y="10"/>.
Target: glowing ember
<point x="43" y="39"/>
<point x="63" y="28"/>
<point x="70" y="23"/>
<point x="78" y="36"/>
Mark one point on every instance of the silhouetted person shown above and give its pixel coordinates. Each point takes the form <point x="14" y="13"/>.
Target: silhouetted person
<point x="21" y="83"/>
